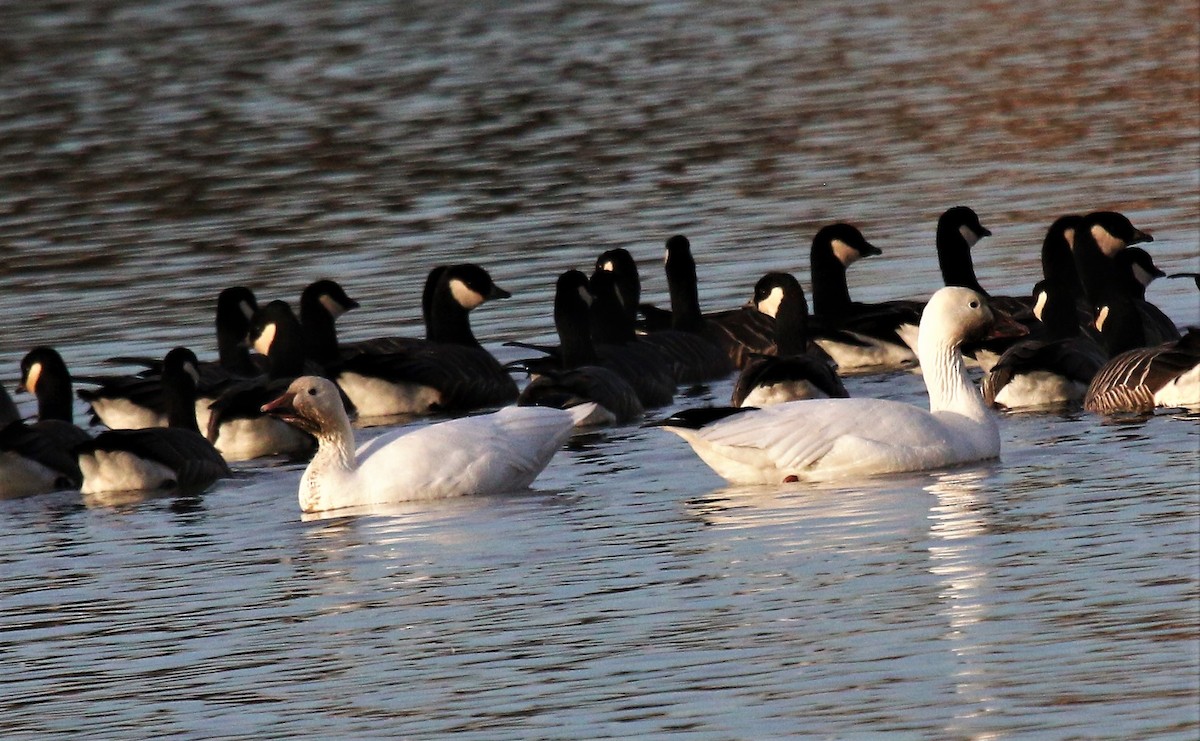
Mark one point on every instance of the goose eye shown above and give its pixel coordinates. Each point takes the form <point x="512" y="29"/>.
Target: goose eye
<point x="312" y="392"/>
<point x="974" y="304"/>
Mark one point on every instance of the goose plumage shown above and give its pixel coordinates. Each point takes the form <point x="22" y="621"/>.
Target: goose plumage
<point x="1139" y="380"/>
<point x="595" y="331"/>
<point x="860" y="337"/>
<point x="485" y="454"/>
<point x="837" y="438"/>
<point x="153" y="458"/>
<point x="235" y="422"/>
<point x="791" y="373"/>
<point x="1054" y="365"/>
<point x="581" y="376"/>
<point x="449" y="371"/>
<point x="39" y="457"/>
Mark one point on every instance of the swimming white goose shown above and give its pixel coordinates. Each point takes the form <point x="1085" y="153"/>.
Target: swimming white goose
<point x="791" y="373"/>
<point x="860" y="337"/>
<point x="485" y="454"/>
<point x="153" y="458"/>
<point x="836" y="438"/>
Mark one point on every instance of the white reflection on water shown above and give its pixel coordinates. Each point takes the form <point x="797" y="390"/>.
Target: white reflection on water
<point x="956" y="521"/>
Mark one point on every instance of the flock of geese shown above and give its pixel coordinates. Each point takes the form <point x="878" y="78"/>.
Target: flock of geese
<point x="1085" y="334"/>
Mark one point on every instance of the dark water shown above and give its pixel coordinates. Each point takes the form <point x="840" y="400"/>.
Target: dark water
<point x="153" y="153"/>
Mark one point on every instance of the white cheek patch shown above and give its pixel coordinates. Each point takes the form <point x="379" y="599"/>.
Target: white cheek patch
<point x="334" y="308"/>
<point x="585" y="295"/>
<point x="666" y="256"/>
<point x="262" y="344"/>
<point x="608" y="267"/>
<point x="1069" y="235"/>
<point x="31" y="378"/>
<point x="247" y="309"/>
<point x="1107" y="243"/>
<point x="191" y="370"/>
<point x="845" y="254"/>
<point x="1040" y="305"/>
<point x="968" y="234"/>
<point x="770" y="304"/>
<point x="1143" y="276"/>
<point x="466" y="297"/>
<point x="1101" y="317"/>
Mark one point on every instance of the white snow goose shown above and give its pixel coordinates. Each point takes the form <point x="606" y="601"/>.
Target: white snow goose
<point x="838" y="438"/>
<point x="485" y="454"/>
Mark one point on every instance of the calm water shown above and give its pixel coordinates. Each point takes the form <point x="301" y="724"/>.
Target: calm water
<point x="153" y="153"/>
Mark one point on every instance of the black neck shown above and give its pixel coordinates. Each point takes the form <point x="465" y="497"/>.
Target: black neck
<point x="954" y="259"/>
<point x="179" y="398"/>
<point x="320" y="332"/>
<point x="1060" y="316"/>
<point x="791" y="325"/>
<point x="449" y="321"/>
<point x="1096" y="272"/>
<point x="685" y="295"/>
<point x="574" y="333"/>
<point x="831" y="296"/>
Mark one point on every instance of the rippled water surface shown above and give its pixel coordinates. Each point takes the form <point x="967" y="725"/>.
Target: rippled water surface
<point x="153" y="153"/>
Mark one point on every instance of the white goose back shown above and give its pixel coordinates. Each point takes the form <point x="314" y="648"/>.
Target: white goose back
<point x="834" y="438"/>
<point x="484" y="454"/>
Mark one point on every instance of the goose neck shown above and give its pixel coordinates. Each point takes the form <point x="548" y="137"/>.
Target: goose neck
<point x="831" y="296"/>
<point x="946" y="380"/>
<point x="954" y="260"/>
<point x="449" y="321"/>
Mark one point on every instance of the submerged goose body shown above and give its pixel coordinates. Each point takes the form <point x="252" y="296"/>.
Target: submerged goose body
<point x="486" y="454"/>
<point x="791" y="373"/>
<point x="153" y="458"/>
<point x="859" y="337"/>
<point x="449" y="371"/>
<point x="837" y="438"/>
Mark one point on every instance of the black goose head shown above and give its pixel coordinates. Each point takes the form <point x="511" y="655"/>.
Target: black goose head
<point x="1112" y="232"/>
<point x="621" y="264"/>
<point x="180" y="376"/>
<point x="781" y="296"/>
<point x="834" y="248"/>
<point x="321" y="303"/>
<point x="460" y="288"/>
<point x="45" y="375"/>
<point x="235" y="309"/>
<point x="1135" y="271"/>
<point x="276" y="332"/>
<point x="958" y="229"/>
